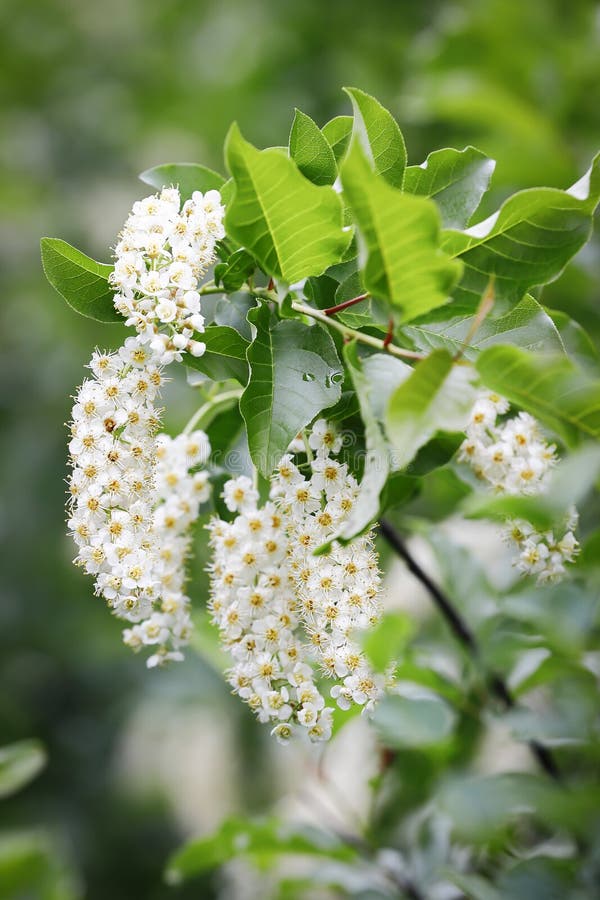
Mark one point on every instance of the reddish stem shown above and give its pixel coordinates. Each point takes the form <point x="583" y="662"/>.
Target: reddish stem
<point x="270" y="285"/>
<point x="341" y="306"/>
<point x="390" y="334"/>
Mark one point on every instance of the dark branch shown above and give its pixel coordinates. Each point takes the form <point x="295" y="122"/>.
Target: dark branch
<point x="465" y="636"/>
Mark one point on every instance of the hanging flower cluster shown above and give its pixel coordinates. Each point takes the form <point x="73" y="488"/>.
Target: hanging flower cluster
<point x="280" y="609"/>
<point x="163" y="251"/>
<point x="133" y="498"/>
<point x="134" y="493"/>
<point x="513" y="457"/>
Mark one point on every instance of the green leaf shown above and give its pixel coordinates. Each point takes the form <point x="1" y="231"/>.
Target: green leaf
<point x="577" y="342"/>
<point x="225" y="355"/>
<point x="528" y="241"/>
<point x="549" y="387"/>
<point x="32" y="867"/>
<point x="188" y="177"/>
<point x="413" y="722"/>
<point x="310" y="150"/>
<point x="482" y="807"/>
<point x="295" y="372"/>
<point x="377" y="461"/>
<point x="455" y="179"/>
<point x="291" y="226"/>
<point x="82" y="281"/>
<point x="233" y="273"/>
<point x="262" y="841"/>
<point x="384" y="643"/>
<point x="398" y="240"/>
<point x="527" y="325"/>
<point x="436" y="397"/>
<point x="19" y="763"/>
<point x="379" y="136"/>
<point x="337" y="132"/>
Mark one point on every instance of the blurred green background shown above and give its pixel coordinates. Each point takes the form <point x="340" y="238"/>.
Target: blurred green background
<point x="92" y="93"/>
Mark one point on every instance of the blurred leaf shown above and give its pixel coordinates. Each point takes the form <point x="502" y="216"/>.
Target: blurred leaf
<point x="31" y="868"/>
<point x="455" y="179"/>
<point x="379" y="136"/>
<point x="436" y="452"/>
<point x="482" y="807"/>
<point x="188" y="177"/>
<point x="295" y="372"/>
<point x="19" y="763"/>
<point x="385" y="643"/>
<point x="528" y="241"/>
<point x="564" y="613"/>
<point x="526" y="325"/>
<point x="399" y="241"/>
<point x="436" y="397"/>
<point x="310" y="150"/>
<point x="262" y="841"/>
<point x="225" y="355"/>
<point x="409" y="722"/>
<point x="291" y="226"/>
<point x="82" y="281"/>
<point x="549" y="387"/>
<point x="337" y="133"/>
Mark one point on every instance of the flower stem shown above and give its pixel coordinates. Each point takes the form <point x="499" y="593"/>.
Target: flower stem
<point x="206" y="413"/>
<point x="352" y="334"/>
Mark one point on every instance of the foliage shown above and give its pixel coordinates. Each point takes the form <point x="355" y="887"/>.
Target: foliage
<point x="75" y="131"/>
<point x="457" y="294"/>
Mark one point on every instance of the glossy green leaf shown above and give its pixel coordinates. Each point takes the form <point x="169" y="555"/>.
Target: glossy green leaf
<point x="82" y="281"/>
<point x="262" y="841"/>
<point x="551" y="388"/>
<point x="413" y="721"/>
<point x="526" y="325"/>
<point x="310" y="150"/>
<point x="337" y="132"/>
<point x="379" y="136"/>
<point x="436" y="397"/>
<point x="295" y="373"/>
<point x="188" y="177"/>
<point x="455" y="179"/>
<point x="19" y="763"/>
<point x="528" y="241"/>
<point x="292" y="227"/>
<point x="399" y="241"/>
<point x="225" y="355"/>
<point x="234" y="272"/>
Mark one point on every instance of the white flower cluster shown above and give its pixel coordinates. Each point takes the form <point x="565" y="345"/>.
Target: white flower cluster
<point x="163" y="251"/>
<point x="514" y="458"/>
<point x="133" y="498"/>
<point x="280" y="609"/>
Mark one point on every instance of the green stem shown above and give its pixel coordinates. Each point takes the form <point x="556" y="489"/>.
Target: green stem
<point x="209" y="408"/>
<point x="352" y="334"/>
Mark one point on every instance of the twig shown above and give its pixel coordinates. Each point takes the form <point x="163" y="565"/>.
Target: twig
<point x="465" y="636"/>
<point x="340" y="307"/>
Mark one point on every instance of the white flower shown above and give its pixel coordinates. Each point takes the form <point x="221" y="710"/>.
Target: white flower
<point x="513" y="457"/>
<point x="162" y="253"/>
<point x="132" y="498"/>
<point x="281" y="610"/>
